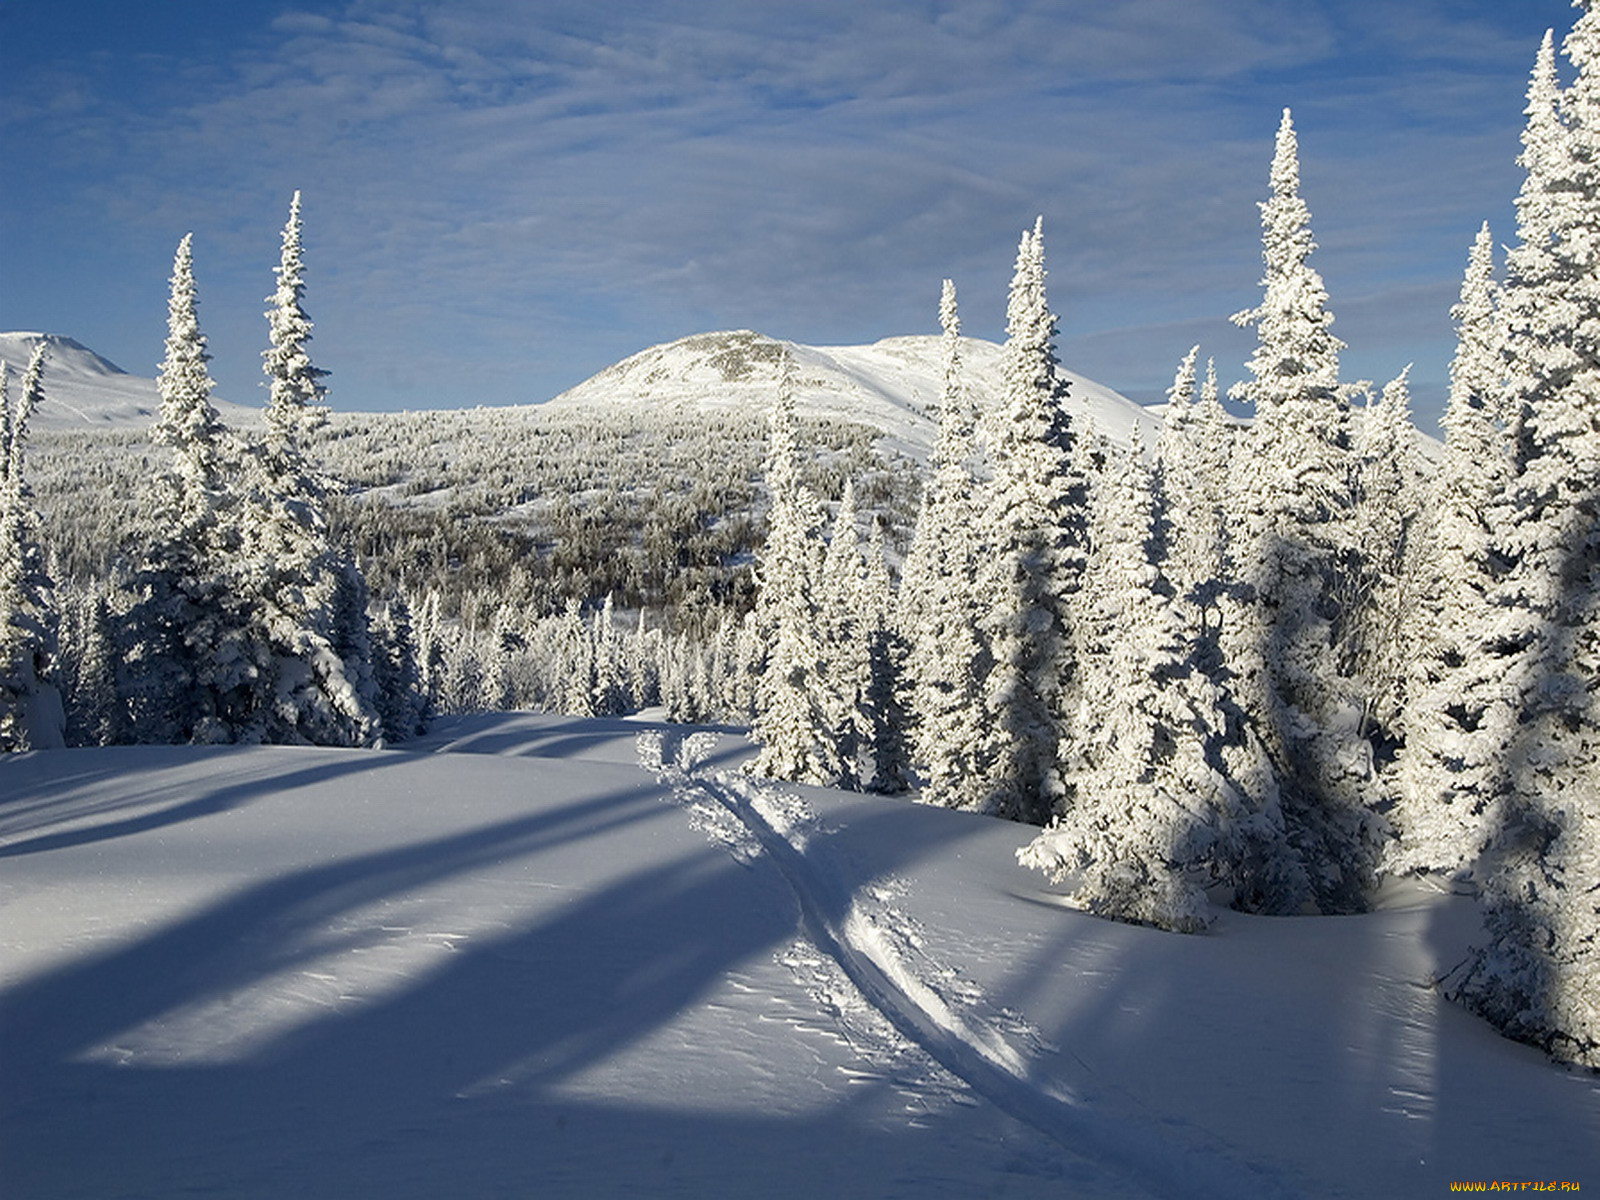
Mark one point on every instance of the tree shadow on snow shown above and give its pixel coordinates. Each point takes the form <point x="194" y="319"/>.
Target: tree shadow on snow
<point x="155" y="786"/>
<point x="466" y="1078"/>
<point x="549" y="735"/>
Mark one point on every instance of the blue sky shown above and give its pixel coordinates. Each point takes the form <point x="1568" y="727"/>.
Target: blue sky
<point x="504" y="196"/>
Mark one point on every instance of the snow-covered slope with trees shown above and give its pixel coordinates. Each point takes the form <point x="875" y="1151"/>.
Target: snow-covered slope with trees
<point x="892" y="385"/>
<point x="536" y="964"/>
<point x="85" y="391"/>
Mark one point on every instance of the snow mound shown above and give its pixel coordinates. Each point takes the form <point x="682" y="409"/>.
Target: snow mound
<point x="892" y="385"/>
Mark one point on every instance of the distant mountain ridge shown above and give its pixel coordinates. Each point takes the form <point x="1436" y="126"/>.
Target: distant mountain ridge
<point x="84" y="390"/>
<point x="893" y="385"/>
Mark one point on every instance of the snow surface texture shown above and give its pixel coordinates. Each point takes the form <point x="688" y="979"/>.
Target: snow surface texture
<point x="530" y="963"/>
<point x="84" y="391"/>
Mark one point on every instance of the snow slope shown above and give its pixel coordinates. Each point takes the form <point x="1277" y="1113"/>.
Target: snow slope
<point x="559" y="958"/>
<point x="893" y="385"/>
<point x="84" y="391"/>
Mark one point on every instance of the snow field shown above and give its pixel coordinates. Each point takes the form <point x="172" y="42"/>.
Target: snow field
<point x="526" y="966"/>
<point x="876" y="947"/>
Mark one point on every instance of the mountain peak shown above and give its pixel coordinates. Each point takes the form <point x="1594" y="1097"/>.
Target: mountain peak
<point x="892" y="385"/>
<point x="66" y="355"/>
<point x="83" y="390"/>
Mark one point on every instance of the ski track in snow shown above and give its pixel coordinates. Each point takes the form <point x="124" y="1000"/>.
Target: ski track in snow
<point x="918" y="1022"/>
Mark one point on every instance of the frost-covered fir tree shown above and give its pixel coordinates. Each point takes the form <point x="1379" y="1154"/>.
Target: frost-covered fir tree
<point x="31" y="715"/>
<point x="1293" y="508"/>
<point x="947" y="496"/>
<point x="1195" y="455"/>
<point x="503" y="642"/>
<point x="1156" y="817"/>
<point x="402" y="702"/>
<point x="610" y="682"/>
<point x="89" y="669"/>
<point x="844" y="646"/>
<point x="792" y="725"/>
<point x="310" y="599"/>
<point x="431" y="649"/>
<point x="1177" y="421"/>
<point x="940" y="609"/>
<point x="1030" y="555"/>
<point x="1535" y="976"/>
<point x="1444" y="776"/>
<point x="576" y="642"/>
<point x="886" y="696"/>
<point x="194" y="664"/>
<point x="1383" y="573"/>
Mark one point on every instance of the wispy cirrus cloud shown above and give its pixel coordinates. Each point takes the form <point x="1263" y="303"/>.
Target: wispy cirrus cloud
<point x="503" y="197"/>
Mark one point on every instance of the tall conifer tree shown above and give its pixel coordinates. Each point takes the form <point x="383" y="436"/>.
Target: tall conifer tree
<point x="193" y="659"/>
<point x="1535" y="975"/>
<point x="1031" y="555"/>
<point x="940" y="609"/>
<point x="791" y="724"/>
<point x="1444" y="779"/>
<point x="1295" y="505"/>
<point x="310" y="599"/>
<point x="30" y="705"/>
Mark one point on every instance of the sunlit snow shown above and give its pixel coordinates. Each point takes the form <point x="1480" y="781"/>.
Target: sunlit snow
<point x="558" y="957"/>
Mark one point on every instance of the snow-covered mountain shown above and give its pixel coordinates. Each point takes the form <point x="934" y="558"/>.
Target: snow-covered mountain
<point x="892" y="385"/>
<point x="85" y="391"/>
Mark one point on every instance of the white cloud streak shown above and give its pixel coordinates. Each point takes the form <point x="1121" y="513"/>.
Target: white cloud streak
<point x="507" y="195"/>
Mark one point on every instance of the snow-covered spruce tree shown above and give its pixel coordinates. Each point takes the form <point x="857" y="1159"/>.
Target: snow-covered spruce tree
<point x="1444" y="782"/>
<point x="1174" y="446"/>
<point x="948" y="492"/>
<point x="87" y="674"/>
<point x="886" y="702"/>
<point x="194" y="664"/>
<point x="1031" y="553"/>
<point x="1383" y="574"/>
<point x="1293" y="510"/>
<point x="610" y="682"/>
<point x="1535" y="976"/>
<point x="1193" y="454"/>
<point x="311" y="600"/>
<point x="940" y="612"/>
<point x="31" y="716"/>
<point x="431" y="650"/>
<point x="638" y="663"/>
<point x="503" y="641"/>
<point x="1156" y="817"/>
<point x="791" y="724"/>
<point x="576" y="645"/>
<point x="397" y="671"/>
<point x="843" y="675"/>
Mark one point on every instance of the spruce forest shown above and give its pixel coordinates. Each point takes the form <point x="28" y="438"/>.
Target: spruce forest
<point x="1258" y="663"/>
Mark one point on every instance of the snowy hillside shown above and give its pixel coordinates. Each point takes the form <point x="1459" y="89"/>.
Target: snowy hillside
<point x="86" y="391"/>
<point x="892" y="385"/>
<point x="536" y="963"/>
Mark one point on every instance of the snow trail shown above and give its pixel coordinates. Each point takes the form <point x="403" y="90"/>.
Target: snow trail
<point x="991" y="1051"/>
